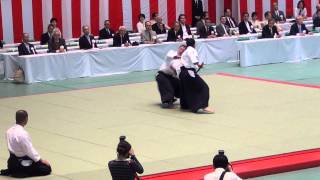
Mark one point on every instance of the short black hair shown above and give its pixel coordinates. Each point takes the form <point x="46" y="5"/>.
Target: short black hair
<point x="254" y="14"/>
<point x="154" y="14"/>
<point x="141" y="15"/>
<point x="180" y="16"/>
<point x="21" y="116"/>
<point x="245" y="13"/>
<point x="190" y="42"/>
<point x="303" y="3"/>
<point x="123" y="147"/>
<point x="266" y="13"/>
<point x="220" y="161"/>
<point x="53" y="19"/>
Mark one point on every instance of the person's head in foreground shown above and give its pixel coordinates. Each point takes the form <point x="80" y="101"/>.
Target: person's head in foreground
<point x="271" y="23"/>
<point x="122" y="30"/>
<point x="220" y="160"/>
<point x="181" y="49"/>
<point x="123" y="148"/>
<point x="191" y="42"/>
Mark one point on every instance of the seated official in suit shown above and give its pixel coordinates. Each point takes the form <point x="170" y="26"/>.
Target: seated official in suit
<point x="184" y="28"/>
<point x="45" y="37"/>
<point x="230" y="21"/>
<point x="106" y="32"/>
<point x="298" y="28"/>
<point x="245" y="26"/>
<point x="159" y="27"/>
<point x="24" y="160"/>
<point x="175" y="33"/>
<point x="57" y="43"/>
<point x="148" y="36"/>
<point x="25" y="48"/>
<point x="270" y="30"/>
<point x="316" y="20"/>
<point x="222" y="29"/>
<point x="121" y="38"/>
<point x="277" y="15"/>
<point x="317" y="9"/>
<point x="86" y="41"/>
<point x="205" y="29"/>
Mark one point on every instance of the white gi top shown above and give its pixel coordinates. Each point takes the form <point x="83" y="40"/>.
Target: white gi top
<point x="171" y="66"/>
<point x="189" y="57"/>
<point x="217" y="173"/>
<point x="19" y="143"/>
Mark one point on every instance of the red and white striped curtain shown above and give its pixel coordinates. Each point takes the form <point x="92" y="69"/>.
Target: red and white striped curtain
<point x="287" y="6"/>
<point x="33" y="16"/>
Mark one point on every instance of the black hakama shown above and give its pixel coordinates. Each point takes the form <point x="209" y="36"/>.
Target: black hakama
<point x="16" y="168"/>
<point x="169" y="87"/>
<point x="194" y="90"/>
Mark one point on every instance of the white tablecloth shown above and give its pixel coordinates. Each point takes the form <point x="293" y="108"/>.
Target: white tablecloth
<point x="290" y="48"/>
<point x="98" y="62"/>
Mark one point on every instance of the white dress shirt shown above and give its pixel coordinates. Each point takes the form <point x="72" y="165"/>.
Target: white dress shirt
<point x="140" y="27"/>
<point x="189" y="57"/>
<point x="184" y="30"/>
<point x="217" y="173"/>
<point x="19" y="143"/>
<point x="302" y="13"/>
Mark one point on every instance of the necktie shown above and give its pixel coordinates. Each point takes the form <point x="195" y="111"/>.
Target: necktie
<point x="299" y="26"/>
<point x="121" y="37"/>
<point x="150" y="38"/>
<point x="271" y="31"/>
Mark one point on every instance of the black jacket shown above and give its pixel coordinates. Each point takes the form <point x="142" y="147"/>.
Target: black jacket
<point x="117" y="41"/>
<point x="44" y="38"/>
<point x="316" y="22"/>
<point x="53" y="47"/>
<point x="197" y="10"/>
<point x="187" y="27"/>
<point x="266" y="32"/>
<point x="229" y="23"/>
<point x="202" y="31"/>
<point x="173" y="36"/>
<point x="157" y="29"/>
<point x="243" y="28"/>
<point x="294" y="30"/>
<point x="278" y="18"/>
<point x="23" y="50"/>
<point x="104" y="34"/>
<point x="85" y="44"/>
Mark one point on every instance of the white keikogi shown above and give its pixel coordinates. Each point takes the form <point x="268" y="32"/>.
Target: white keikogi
<point x="171" y="66"/>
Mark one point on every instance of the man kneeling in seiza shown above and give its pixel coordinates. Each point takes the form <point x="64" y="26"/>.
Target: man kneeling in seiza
<point x="167" y="77"/>
<point x="24" y="160"/>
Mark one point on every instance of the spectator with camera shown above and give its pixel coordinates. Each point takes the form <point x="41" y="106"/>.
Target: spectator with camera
<point x="126" y="166"/>
<point x="222" y="169"/>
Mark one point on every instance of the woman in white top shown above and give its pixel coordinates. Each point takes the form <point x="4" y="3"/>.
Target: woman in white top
<point x="255" y="22"/>
<point x="194" y="90"/>
<point x="301" y="10"/>
<point x="141" y="25"/>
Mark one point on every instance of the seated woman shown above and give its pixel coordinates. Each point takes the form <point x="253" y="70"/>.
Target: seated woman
<point x="301" y="10"/>
<point x="194" y="90"/>
<point x="57" y="44"/>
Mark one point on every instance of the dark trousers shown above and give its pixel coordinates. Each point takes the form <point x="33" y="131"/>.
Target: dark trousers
<point x="194" y="91"/>
<point x="16" y="169"/>
<point x="169" y="87"/>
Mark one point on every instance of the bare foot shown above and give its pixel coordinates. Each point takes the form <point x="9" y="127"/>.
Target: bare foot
<point x="209" y="110"/>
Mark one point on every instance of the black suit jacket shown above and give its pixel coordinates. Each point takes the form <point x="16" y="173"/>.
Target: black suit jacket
<point x="316" y="22"/>
<point x="188" y="29"/>
<point x="197" y="10"/>
<point x="104" y="34"/>
<point x="202" y="31"/>
<point x="117" y="41"/>
<point x="85" y="44"/>
<point x="173" y="36"/>
<point x="23" y="50"/>
<point x="157" y="29"/>
<point x="53" y="47"/>
<point x="294" y="30"/>
<point x="278" y="18"/>
<point x="44" y="38"/>
<point x="266" y="32"/>
<point x="233" y="20"/>
<point x="243" y="28"/>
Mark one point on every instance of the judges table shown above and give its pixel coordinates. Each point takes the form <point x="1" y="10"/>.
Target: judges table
<point x="285" y="49"/>
<point x="107" y="61"/>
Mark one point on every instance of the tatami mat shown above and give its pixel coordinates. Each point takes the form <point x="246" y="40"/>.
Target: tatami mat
<point x="77" y="131"/>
